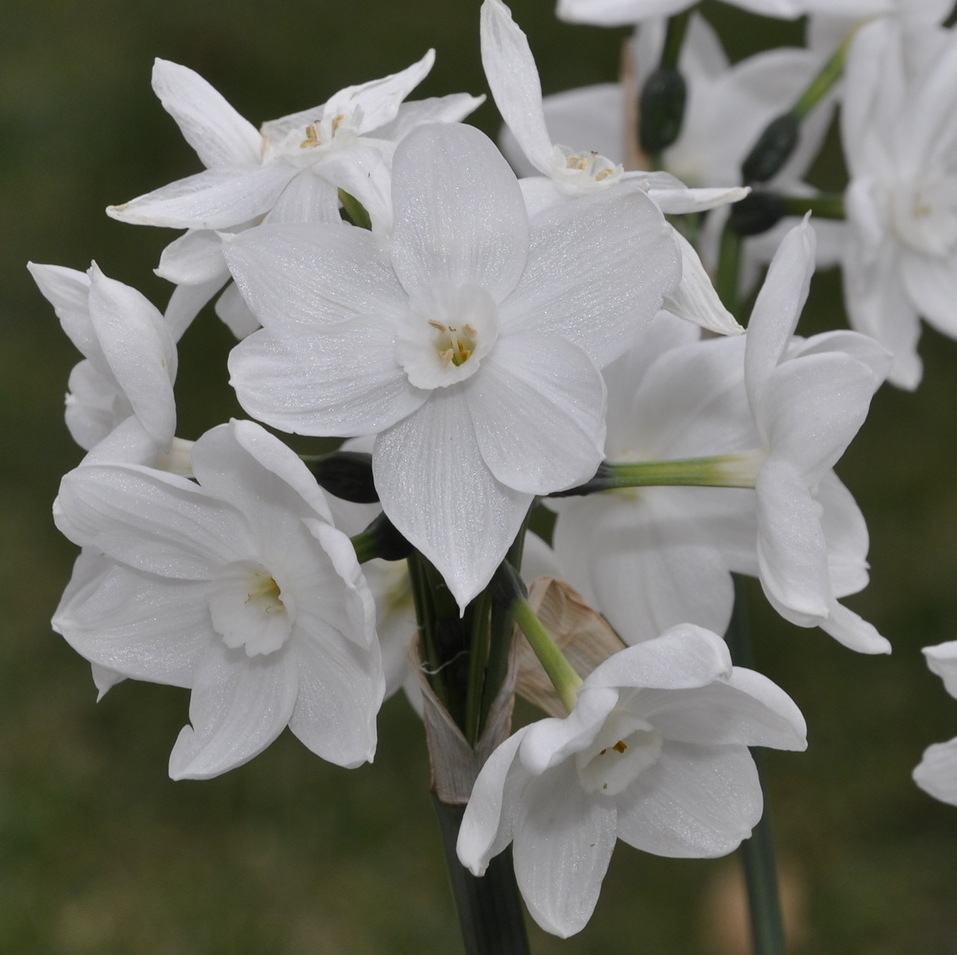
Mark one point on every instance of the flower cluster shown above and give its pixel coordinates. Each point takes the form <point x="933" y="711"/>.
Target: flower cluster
<point x="487" y="342"/>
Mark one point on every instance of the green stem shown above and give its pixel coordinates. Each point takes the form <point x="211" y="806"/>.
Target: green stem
<point x="565" y="680"/>
<point x="757" y="852"/>
<point x="824" y="206"/>
<point x="824" y="81"/>
<point x="729" y="269"/>
<point x="722" y="470"/>
<point x="509" y="591"/>
<point x="501" y="626"/>
<point x="490" y="913"/>
<point x="478" y="657"/>
<point x="674" y="39"/>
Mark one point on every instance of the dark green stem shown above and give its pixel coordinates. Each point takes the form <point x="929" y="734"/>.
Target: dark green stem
<point x="490" y="913"/>
<point x="757" y="853"/>
<point x="729" y="269"/>
<point x="674" y="39"/>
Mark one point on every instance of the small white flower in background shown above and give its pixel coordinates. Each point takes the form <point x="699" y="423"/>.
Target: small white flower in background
<point x="566" y="174"/>
<point x="288" y="172"/>
<point x="808" y="400"/>
<point x="613" y="13"/>
<point x="655" y="753"/>
<point x="900" y="141"/>
<point x="470" y="342"/>
<point x="936" y="773"/>
<point x="239" y="588"/>
<point x="120" y="401"/>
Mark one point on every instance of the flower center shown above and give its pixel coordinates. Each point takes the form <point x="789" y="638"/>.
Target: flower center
<point x="625" y="748"/>
<point x="444" y="334"/>
<point x="584" y="169"/>
<point x="249" y="609"/>
<point x="925" y="214"/>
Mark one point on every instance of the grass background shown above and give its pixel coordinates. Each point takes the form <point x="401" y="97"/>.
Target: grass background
<point x="101" y="853"/>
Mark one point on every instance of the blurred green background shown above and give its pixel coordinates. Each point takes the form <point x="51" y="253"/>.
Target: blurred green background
<point x="101" y="853"/>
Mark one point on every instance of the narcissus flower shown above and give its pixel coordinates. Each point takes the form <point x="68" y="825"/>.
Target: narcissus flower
<point x="937" y="772"/>
<point x="239" y="588"/>
<point x="125" y="381"/>
<point x="470" y="342"/>
<point x="655" y="753"/>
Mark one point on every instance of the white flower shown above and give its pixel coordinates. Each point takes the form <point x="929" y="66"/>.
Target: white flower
<point x="239" y="588"/>
<point x="123" y="389"/>
<point x="470" y="344"/>
<point x="936" y="773"/>
<point x="297" y="161"/>
<point x="808" y="400"/>
<point x="288" y="172"/>
<point x="655" y="753"/>
<point x="652" y="557"/>
<point x="611" y="13"/>
<point x="513" y="79"/>
<point x="900" y="140"/>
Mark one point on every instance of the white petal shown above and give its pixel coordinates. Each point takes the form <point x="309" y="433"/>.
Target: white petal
<point x="513" y="79"/>
<point x="563" y="844"/>
<point x="942" y="660"/>
<point x="133" y="623"/>
<point x="220" y="136"/>
<point x="343" y="381"/>
<point x="778" y="308"/>
<point x="696" y="802"/>
<point x="488" y="824"/>
<point x="186" y="302"/>
<point x="307" y="198"/>
<point x="936" y="773"/>
<point x="537" y="408"/>
<point x="684" y="656"/>
<point x="298" y="276"/>
<point x="244" y="464"/>
<point x="150" y="520"/>
<point x="364" y="170"/>
<point x="846" y="534"/>
<point x="436" y="109"/>
<point x="231" y="309"/>
<point x="931" y="283"/>
<point x="238" y="706"/>
<point x="745" y="708"/>
<point x="811" y="409"/>
<point x="459" y="213"/>
<point x="217" y="198"/>
<point x="647" y="564"/>
<point x="68" y="291"/>
<point x="695" y="298"/>
<point x="792" y="553"/>
<point x="852" y="630"/>
<point x="139" y="350"/>
<point x="617" y="13"/>
<point x="597" y="271"/>
<point x="340" y="690"/>
<point x="195" y="257"/>
<point x="377" y="101"/>
<point x="442" y="497"/>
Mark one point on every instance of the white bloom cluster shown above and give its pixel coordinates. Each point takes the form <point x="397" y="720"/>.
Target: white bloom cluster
<point x="483" y="342"/>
